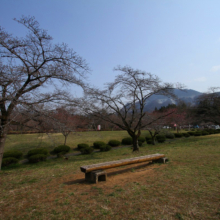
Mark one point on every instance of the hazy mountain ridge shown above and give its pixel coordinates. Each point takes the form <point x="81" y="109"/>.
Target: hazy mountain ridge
<point x="187" y="95"/>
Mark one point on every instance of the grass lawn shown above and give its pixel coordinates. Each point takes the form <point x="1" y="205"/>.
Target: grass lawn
<point x="25" y="142"/>
<point x="187" y="187"/>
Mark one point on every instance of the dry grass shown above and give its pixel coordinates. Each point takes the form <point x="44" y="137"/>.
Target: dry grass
<point x="188" y="187"/>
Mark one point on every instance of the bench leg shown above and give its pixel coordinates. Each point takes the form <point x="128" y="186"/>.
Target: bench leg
<point x="95" y="176"/>
<point x="88" y="176"/>
<point x="101" y="177"/>
<point x="161" y="160"/>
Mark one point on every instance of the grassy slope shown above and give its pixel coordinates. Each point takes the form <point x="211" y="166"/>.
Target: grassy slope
<point x="185" y="188"/>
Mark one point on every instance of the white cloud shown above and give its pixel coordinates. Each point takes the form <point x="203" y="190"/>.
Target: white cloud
<point x="215" y="68"/>
<point x="200" y="79"/>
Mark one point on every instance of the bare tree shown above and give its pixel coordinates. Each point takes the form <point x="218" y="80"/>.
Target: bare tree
<point x="155" y="122"/>
<point x="66" y="120"/>
<point x="26" y="64"/>
<point x="123" y="101"/>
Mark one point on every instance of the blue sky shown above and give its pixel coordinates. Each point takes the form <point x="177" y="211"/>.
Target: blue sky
<point x="177" y="40"/>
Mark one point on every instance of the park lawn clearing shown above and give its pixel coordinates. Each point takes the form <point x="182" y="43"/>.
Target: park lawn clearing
<point x="187" y="187"/>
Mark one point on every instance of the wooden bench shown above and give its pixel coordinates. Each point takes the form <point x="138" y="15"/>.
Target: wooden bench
<point x="96" y="172"/>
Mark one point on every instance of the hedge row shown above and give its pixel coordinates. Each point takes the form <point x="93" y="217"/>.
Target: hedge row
<point x="162" y="138"/>
<point x="40" y="154"/>
<point x="13" y="153"/>
<point x="102" y="146"/>
<point x="8" y="161"/>
<point x="11" y="157"/>
<point x="129" y="141"/>
<point x="37" y="155"/>
<point x="33" y="156"/>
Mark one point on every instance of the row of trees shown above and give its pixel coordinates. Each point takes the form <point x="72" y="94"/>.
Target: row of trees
<point x="27" y="64"/>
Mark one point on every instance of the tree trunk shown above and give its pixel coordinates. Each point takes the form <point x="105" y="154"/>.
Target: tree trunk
<point x="135" y="143"/>
<point x="3" y="135"/>
<point x="153" y="140"/>
<point x="2" y="145"/>
<point x="153" y="136"/>
<point x="65" y="139"/>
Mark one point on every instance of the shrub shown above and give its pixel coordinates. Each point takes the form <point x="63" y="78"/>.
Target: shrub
<point x="211" y="131"/>
<point x="37" y="158"/>
<point x="37" y="151"/>
<point x="108" y="147"/>
<point x="148" y="138"/>
<point x="87" y="150"/>
<point x="98" y="144"/>
<point x="170" y="136"/>
<point x="105" y="147"/>
<point x="140" y="143"/>
<point x="8" y="161"/>
<point x="62" y="148"/>
<point x="80" y="146"/>
<point x="191" y="133"/>
<point x="149" y="142"/>
<point x="127" y="141"/>
<point x="114" y="143"/>
<point x="198" y="133"/>
<point x="186" y="135"/>
<point x="161" y="138"/>
<point x="13" y="153"/>
<point x="102" y="148"/>
<point x="205" y="133"/>
<point x="60" y="155"/>
<point x="178" y="135"/>
<point x="141" y="139"/>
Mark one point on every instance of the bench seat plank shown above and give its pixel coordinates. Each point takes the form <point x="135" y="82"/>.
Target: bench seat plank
<point x="116" y="163"/>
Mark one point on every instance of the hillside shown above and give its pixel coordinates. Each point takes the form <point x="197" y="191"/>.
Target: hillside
<point x="187" y="95"/>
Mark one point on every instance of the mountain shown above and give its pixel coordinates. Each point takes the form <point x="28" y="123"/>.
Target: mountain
<point x="187" y="95"/>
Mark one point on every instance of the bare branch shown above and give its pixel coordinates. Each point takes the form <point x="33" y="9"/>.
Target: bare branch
<point x="27" y="64"/>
